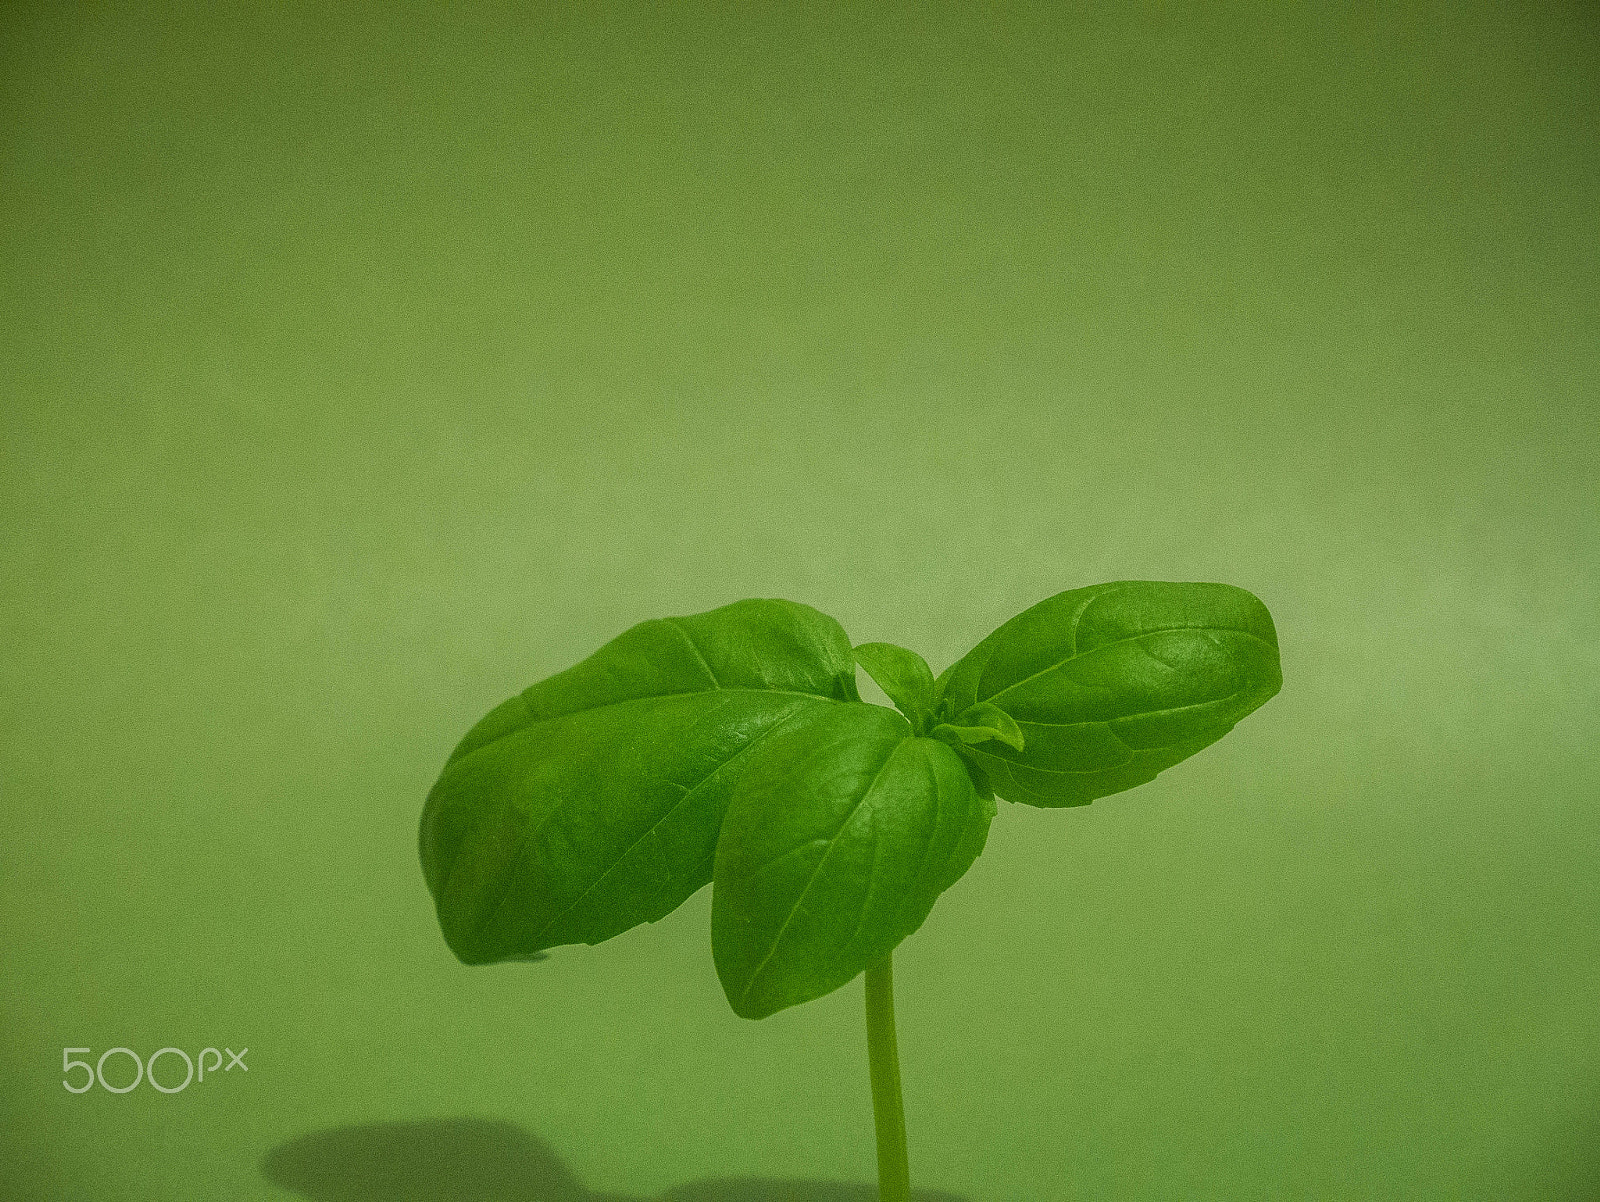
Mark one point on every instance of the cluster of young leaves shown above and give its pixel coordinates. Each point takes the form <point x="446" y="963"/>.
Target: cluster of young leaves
<point x="733" y="748"/>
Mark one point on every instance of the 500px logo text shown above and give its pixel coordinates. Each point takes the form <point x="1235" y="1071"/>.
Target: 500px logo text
<point x="145" y="1070"/>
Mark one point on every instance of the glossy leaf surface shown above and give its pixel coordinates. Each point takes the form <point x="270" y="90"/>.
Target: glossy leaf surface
<point x="905" y="678"/>
<point x="842" y="833"/>
<point x="591" y="802"/>
<point x="1111" y="684"/>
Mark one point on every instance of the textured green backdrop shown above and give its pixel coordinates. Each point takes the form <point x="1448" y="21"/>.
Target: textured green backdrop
<point x="362" y="366"/>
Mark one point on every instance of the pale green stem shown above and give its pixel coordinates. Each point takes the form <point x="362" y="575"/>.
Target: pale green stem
<point x="888" y="1111"/>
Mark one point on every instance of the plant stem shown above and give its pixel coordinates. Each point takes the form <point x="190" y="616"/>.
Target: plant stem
<point x="888" y="1111"/>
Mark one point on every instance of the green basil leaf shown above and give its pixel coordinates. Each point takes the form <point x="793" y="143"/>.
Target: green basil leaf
<point x="842" y="833"/>
<point x="904" y="676"/>
<point x="1111" y="684"/>
<point x="980" y="724"/>
<point x="591" y="802"/>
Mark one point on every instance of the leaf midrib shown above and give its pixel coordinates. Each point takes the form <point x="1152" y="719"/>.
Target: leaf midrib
<point x="669" y="812"/>
<point x="1166" y="709"/>
<point x="531" y="835"/>
<point x="591" y="709"/>
<point x="1076" y="654"/>
<point x="794" y="909"/>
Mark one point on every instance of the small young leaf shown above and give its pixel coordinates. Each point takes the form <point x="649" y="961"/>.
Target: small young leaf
<point x="591" y="802"/>
<point x="842" y="833"/>
<point x="904" y="676"/>
<point x="1111" y="684"/>
<point x="980" y="724"/>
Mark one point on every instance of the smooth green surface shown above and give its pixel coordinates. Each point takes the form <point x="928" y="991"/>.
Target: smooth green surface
<point x="359" y="370"/>
<point x="842" y="833"/>
<point x="1098" y="689"/>
<point x="904" y="677"/>
<point x="591" y="801"/>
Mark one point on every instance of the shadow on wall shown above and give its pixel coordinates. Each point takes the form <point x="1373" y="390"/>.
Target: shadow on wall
<point x="478" y="1160"/>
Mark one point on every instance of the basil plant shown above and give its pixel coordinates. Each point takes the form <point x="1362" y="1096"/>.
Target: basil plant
<point x="732" y="748"/>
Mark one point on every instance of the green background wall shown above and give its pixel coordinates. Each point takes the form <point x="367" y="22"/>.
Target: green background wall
<point x="361" y="367"/>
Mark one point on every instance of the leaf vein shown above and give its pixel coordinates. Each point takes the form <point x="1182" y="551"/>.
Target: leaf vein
<point x="1061" y="663"/>
<point x="688" y="792"/>
<point x="694" y="647"/>
<point x="815" y="873"/>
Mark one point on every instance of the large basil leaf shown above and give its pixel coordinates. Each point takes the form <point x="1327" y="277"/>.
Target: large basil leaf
<point x="1111" y="684"/>
<point x="591" y="802"/>
<point x="842" y="833"/>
